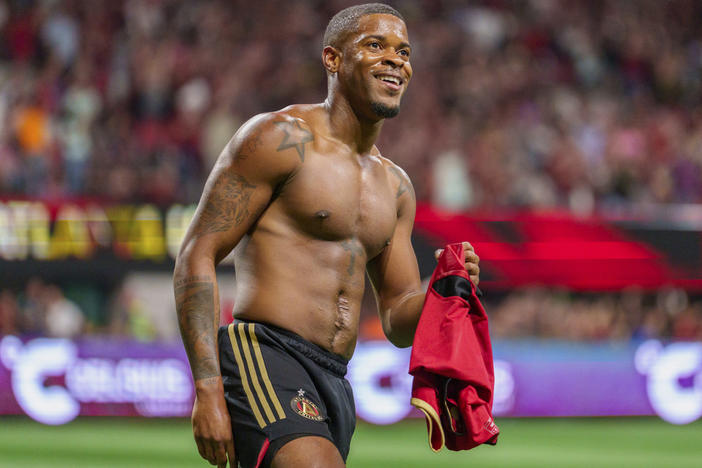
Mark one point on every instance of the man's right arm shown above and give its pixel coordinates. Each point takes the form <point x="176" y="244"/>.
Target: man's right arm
<point x="237" y="192"/>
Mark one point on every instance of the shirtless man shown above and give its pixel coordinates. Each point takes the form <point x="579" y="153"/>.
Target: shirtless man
<point x="306" y="201"/>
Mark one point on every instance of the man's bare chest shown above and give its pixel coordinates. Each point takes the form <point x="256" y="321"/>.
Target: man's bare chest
<point x="336" y="198"/>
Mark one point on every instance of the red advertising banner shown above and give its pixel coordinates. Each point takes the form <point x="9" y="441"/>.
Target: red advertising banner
<point x="562" y="250"/>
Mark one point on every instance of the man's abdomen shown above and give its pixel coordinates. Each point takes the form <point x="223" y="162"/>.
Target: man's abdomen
<point x="307" y="287"/>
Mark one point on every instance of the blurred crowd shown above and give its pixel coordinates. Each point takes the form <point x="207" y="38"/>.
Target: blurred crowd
<point x="543" y="313"/>
<point x="40" y="309"/>
<point x="542" y="103"/>
<point x="45" y="309"/>
<point x="630" y="315"/>
<point x="581" y="105"/>
<point x="73" y="310"/>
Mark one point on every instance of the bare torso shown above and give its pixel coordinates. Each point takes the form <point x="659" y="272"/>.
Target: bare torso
<point x="302" y="265"/>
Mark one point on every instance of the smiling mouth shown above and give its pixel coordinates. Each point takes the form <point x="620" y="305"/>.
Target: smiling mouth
<point x="393" y="82"/>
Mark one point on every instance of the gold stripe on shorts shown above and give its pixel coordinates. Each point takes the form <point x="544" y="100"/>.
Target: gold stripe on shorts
<point x="264" y="372"/>
<point x="252" y="372"/>
<point x="244" y="379"/>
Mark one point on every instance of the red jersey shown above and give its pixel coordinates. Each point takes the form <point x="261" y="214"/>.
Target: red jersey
<point x="452" y="360"/>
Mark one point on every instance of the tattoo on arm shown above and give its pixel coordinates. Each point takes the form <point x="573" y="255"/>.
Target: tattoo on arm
<point x="195" y="305"/>
<point x="192" y="279"/>
<point x="404" y="186"/>
<point x="355" y="248"/>
<point x="250" y="145"/>
<point x="227" y="206"/>
<point x="295" y="137"/>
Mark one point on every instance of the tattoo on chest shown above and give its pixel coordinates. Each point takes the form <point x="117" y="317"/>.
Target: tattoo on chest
<point x="195" y="306"/>
<point x="404" y="185"/>
<point x="227" y="205"/>
<point x="295" y="137"/>
<point x="354" y="248"/>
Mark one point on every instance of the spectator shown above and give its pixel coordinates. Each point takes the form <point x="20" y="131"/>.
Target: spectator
<point x="8" y="313"/>
<point x="64" y="319"/>
<point x="587" y="107"/>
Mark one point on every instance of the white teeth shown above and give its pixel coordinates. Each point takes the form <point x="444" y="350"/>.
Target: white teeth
<point x="392" y="79"/>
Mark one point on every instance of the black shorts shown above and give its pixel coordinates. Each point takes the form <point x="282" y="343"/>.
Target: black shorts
<point x="279" y="387"/>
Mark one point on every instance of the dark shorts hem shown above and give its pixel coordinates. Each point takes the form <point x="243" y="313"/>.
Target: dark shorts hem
<point x="280" y="442"/>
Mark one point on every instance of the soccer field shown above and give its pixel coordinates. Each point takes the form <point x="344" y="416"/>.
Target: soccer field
<point x="624" y="442"/>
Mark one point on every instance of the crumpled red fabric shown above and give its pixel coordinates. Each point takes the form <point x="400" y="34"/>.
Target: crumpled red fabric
<point x="451" y="360"/>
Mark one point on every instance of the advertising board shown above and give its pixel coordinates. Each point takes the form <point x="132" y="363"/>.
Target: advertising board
<point x="54" y="380"/>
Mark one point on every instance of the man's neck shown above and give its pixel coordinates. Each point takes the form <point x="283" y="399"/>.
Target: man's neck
<point x="359" y="133"/>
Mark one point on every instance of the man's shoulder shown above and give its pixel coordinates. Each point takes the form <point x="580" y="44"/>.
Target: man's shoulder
<point x="403" y="184"/>
<point x="392" y="168"/>
<point x="275" y="122"/>
<point x="274" y="132"/>
<point x="304" y="112"/>
<point x="300" y="116"/>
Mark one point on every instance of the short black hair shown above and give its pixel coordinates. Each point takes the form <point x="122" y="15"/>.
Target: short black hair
<point x="346" y="21"/>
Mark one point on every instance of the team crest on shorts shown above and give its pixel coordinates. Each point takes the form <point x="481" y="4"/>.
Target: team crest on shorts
<point x="304" y="407"/>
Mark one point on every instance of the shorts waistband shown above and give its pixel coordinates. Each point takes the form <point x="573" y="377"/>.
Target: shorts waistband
<point x="322" y="357"/>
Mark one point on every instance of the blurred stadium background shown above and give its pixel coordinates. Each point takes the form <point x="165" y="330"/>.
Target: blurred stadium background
<point x="562" y="138"/>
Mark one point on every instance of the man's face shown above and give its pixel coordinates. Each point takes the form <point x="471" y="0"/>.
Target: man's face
<point x="376" y="66"/>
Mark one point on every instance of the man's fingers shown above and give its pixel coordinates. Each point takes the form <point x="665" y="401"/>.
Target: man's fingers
<point x="215" y="451"/>
<point x="472" y="257"/>
<point x="201" y="448"/>
<point x="468" y="251"/>
<point x="231" y="454"/>
<point x="205" y="450"/>
<point x="220" y="453"/>
<point x="475" y="279"/>
<point x="212" y="459"/>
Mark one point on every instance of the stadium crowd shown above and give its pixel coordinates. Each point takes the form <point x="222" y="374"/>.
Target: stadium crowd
<point x="73" y="309"/>
<point x="576" y="105"/>
<point x="541" y="103"/>
<point x="631" y="315"/>
<point x="42" y="309"/>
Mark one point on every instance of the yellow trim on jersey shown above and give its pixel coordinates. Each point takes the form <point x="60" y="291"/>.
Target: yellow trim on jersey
<point x="433" y="421"/>
<point x="264" y="372"/>
<point x="254" y="377"/>
<point x="244" y="379"/>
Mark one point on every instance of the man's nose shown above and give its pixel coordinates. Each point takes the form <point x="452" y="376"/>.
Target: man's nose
<point x="393" y="59"/>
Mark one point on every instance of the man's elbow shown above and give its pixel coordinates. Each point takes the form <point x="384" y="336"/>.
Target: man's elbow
<point x="401" y="342"/>
<point x="194" y="255"/>
<point x="182" y="266"/>
<point x="400" y="318"/>
<point x="397" y="337"/>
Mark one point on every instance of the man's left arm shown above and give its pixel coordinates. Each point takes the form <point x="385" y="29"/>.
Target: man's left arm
<point x="394" y="273"/>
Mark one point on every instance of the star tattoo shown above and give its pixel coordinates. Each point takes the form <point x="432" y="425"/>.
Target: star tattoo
<point x="295" y="137"/>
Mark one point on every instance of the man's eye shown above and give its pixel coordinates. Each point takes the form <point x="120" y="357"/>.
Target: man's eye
<point x="404" y="53"/>
<point x="374" y="45"/>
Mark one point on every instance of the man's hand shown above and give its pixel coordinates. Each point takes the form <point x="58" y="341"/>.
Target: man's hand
<point x="471" y="261"/>
<point x="211" y="423"/>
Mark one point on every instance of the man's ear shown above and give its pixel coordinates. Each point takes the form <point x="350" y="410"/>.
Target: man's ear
<point x="331" y="58"/>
